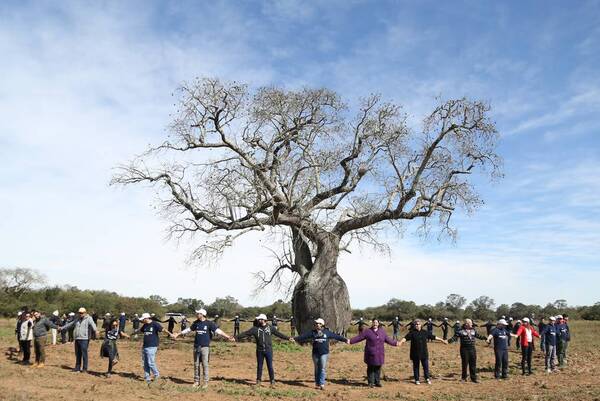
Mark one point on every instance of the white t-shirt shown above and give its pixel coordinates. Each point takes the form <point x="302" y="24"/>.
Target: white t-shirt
<point x="528" y="335"/>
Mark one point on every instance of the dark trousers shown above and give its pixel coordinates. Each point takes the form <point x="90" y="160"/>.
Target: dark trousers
<point x="236" y="331"/>
<point x="374" y="374"/>
<point x="425" y="363"/>
<point x="81" y="354"/>
<point x="292" y="331"/>
<point x="262" y="356"/>
<point x="26" y="348"/>
<point x="445" y="334"/>
<point x="526" y="352"/>
<point x="39" y="344"/>
<point x="501" y="368"/>
<point x="468" y="357"/>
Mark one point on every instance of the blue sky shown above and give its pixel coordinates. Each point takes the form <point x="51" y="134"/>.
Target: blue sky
<point x="85" y="86"/>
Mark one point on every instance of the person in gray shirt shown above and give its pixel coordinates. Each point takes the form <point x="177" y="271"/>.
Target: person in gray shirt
<point x="81" y="332"/>
<point x="41" y="325"/>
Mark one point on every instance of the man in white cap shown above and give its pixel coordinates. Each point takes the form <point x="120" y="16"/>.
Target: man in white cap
<point x="56" y="320"/>
<point x="204" y="329"/>
<point x="262" y="334"/>
<point x="83" y="325"/>
<point x="526" y="332"/>
<point x="151" y="330"/>
<point x="550" y="336"/>
<point x="500" y="335"/>
<point x="320" y="337"/>
<point x="135" y="323"/>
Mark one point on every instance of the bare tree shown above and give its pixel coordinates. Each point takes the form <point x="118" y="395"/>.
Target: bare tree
<point x="15" y="282"/>
<point x="296" y="163"/>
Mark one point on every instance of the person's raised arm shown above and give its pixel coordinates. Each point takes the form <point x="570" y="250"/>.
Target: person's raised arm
<point x="223" y="334"/>
<point x="279" y="334"/>
<point x="304" y="337"/>
<point x="359" y="337"/>
<point x="248" y="333"/>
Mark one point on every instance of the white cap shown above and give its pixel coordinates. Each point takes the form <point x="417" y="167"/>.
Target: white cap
<point x="559" y="316"/>
<point x="81" y="310"/>
<point x="55" y="313"/>
<point x="510" y="318"/>
<point x="320" y="321"/>
<point x="201" y="312"/>
<point x="552" y="318"/>
<point x="458" y="321"/>
<point x="526" y="319"/>
<point x="503" y="317"/>
<point x="135" y="314"/>
<point x="445" y="318"/>
<point x="145" y="315"/>
<point x="122" y="313"/>
<point x="71" y="313"/>
<point x="429" y="319"/>
<point x="19" y="313"/>
<point x="107" y="314"/>
<point x="519" y="321"/>
<point x="502" y="321"/>
<point x="262" y="316"/>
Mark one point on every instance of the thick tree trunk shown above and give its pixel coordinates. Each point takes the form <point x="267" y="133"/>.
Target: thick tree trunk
<point x="322" y="293"/>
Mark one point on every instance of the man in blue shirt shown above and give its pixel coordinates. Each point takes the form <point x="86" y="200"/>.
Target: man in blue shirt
<point x="550" y="336"/>
<point x="320" y="337"/>
<point x="204" y="329"/>
<point x="562" y="341"/>
<point x="151" y="331"/>
<point x="500" y="334"/>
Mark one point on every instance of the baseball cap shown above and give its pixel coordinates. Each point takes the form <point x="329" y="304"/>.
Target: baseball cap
<point x="201" y="312"/>
<point x="526" y="319"/>
<point x="262" y="316"/>
<point x="145" y="315"/>
<point x="502" y="321"/>
<point x="320" y="321"/>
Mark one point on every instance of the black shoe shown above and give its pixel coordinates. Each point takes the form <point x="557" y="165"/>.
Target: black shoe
<point x="505" y="377"/>
<point x="378" y="385"/>
<point x="370" y="384"/>
<point x="475" y="380"/>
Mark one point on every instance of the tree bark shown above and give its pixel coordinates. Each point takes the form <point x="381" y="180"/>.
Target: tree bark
<point x="322" y="293"/>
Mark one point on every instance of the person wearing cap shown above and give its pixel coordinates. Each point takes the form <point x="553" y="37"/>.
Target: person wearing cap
<point x="122" y="322"/>
<point x="541" y="324"/>
<point x="71" y="318"/>
<point x="525" y="333"/>
<point x="292" y="322"/>
<point x="419" y="353"/>
<point x="41" y="325"/>
<point x="374" y="356"/>
<point x="262" y="334"/>
<point x="430" y="325"/>
<point x="20" y="317"/>
<point x="205" y="330"/>
<point x="26" y="336"/>
<point x="456" y="327"/>
<point x="171" y="321"/>
<point x="445" y="326"/>
<point x="468" y="353"/>
<point x="488" y="327"/>
<point x="56" y="320"/>
<point x="320" y="337"/>
<point x="82" y="326"/>
<point x="550" y="336"/>
<point x="109" y="346"/>
<point x="151" y="330"/>
<point x="566" y="336"/>
<point x="183" y="323"/>
<point x="360" y="323"/>
<point x="500" y="335"/>
<point x="275" y="321"/>
<point x="396" y="324"/>
<point x="562" y="340"/>
<point x="236" y="324"/>
<point x="135" y="323"/>
<point x="107" y="323"/>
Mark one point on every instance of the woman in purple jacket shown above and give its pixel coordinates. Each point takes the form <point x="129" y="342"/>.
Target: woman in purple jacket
<point x="376" y="337"/>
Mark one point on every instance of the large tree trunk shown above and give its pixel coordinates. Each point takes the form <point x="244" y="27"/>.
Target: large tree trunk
<point x="322" y="293"/>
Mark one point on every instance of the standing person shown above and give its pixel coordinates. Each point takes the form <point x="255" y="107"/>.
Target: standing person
<point x="275" y="322"/>
<point x="500" y="336"/>
<point x="63" y="334"/>
<point x="418" y="349"/>
<point x="526" y="332"/>
<point x="109" y="346"/>
<point x="70" y="331"/>
<point x="550" y="336"/>
<point x="205" y="330"/>
<point x="107" y="323"/>
<point x="56" y="320"/>
<point x="95" y="320"/>
<point x="410" y="325"/>
<point x="567" y="336"/>
<point x="292" y="321"/>
<point x="135" y="322"/>
<point x="562" y="341"/>
<point x="171" y="321"/>
<point x="26" y="336"/>
<point x="262" y="334"/>
<point x="20" y="318"/>
<point x="360" y="323"/>
<point x="468" y="353"/>
<point x="82" y="326"/>
<point x="445" y="326"/>
<point x="217" y="320"/>
<point x="151" y="330"/>
<point x="122" y="322"/>
<point x="320" y="337"/>
<point x="396" y="324"/>
<point x="41" y="325"/>
<point x="429" y="326"/>
<point x="184" y="323"/>
<point x="375" y="337"/>
<point x="456" y="327"/>
<point x="510" y="327"/>
<point x="541" y="324"/>
<point x="488" y="327"/>
<point x="236" y="324"/>
<point x="515" y="329"/>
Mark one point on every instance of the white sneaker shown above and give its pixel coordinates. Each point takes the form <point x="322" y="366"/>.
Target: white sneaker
<point x="548" y="371"/>
<point x="417" y="382"/>
<point x="428" y="381"/>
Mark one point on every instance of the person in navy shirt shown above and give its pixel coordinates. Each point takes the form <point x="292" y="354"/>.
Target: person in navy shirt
<point x="320" y="337"/>
<point x="205" y="330"/>
<point x="236" y="324"/>
<point x="500" y="334"/>
<point x="151" y="330"/>
<point x="419" y="354"/>
<point x="550" y="337"/>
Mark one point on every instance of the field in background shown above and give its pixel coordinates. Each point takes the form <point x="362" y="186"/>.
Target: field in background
<point x="233" y="368"/>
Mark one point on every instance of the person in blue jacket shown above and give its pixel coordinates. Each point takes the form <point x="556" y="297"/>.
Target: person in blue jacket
<point x="500" y="334"/>
<point x="550" y="336"/>
<point x="320" y="337"/>
<point x="122" y="322"/>
<point x="562" y="340"/>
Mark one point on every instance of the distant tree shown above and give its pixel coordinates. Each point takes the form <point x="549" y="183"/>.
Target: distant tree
<point x="159" y="300"/>
<point x="455" y="302"/>
<point x="560" y="304"/>
<point x="503" y="310"/>
<point x="226" y="306"/>
<point x="15" y="282"/>
<point x="592" y="312"/>
<point x="190" y="305"/>
<point x="482" y="308"/>
<point x="549" y="310"/>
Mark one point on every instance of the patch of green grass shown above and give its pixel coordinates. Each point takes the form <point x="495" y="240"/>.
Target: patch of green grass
<point x="286" y="346"/>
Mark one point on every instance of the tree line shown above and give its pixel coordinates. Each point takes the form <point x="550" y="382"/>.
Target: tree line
<point x="20" y="288"/>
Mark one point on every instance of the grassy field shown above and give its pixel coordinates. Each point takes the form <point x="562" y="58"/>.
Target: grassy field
<point x="233" y="370"/>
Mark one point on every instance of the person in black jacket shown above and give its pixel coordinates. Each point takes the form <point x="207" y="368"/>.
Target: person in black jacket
<point x="445" y="326"/>
<point x="171" y="320"/>
<point x="468" y="354"/>
<point x="396" y="325"/>
<point x="418" y="349"/>
<point x="236" y="324"/>
<point x="262" y="334"/>
<point x="488" y="327"/>
<point x="360" y="323"/>
<point x="292" y="322"/>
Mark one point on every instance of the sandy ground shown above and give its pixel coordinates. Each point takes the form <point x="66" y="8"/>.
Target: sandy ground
<point x="233" y="370"/>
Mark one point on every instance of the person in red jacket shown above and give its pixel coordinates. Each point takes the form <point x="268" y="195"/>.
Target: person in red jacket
<point x="526" y="333"/>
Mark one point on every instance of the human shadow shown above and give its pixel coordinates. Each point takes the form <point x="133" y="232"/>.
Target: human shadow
<point x="346" y="382"/>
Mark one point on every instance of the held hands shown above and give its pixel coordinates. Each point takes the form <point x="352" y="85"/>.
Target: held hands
<point x="348" y="341"/>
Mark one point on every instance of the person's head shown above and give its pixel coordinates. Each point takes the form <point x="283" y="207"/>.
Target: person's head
<point x="417" y="324"/>
<point x="136" y="315"/>
<point x="81" y="312"/>
<point x="552" y="320"/>
<point x="430" y="320"/>
<point x="375" y="323"/>
<point x="114" y="324"/>
<point x="201" y="314"/>
<point x="26" y="315"/>
<point x="501" y="324"/>
<point x="445" y="319"/>
<point x="566" y="318"/>
<point x="397" y="317"/>
<point x="468" y="323"/>
<point x="36" y="314"/>
<point x="261" y="320"/>
<point x="319" y="324"/>
<point x="146" y="317"/>
<point x="526" y="321"/>
<point x="55" y="313"/>
<point x="122" y="313"/>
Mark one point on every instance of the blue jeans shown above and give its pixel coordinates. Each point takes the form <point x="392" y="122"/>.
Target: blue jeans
<point x="262" y="356"/>
<point x="81" y="354"/>
<point x="425" y="363"/>
<point x="149" y="361"/>
<point x="320" y="362"/>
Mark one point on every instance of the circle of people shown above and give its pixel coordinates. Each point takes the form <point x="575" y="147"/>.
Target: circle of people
<point x="554" y="335"/>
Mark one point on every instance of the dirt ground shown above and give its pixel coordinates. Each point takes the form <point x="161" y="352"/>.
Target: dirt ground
<point x="233" y="370"/>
